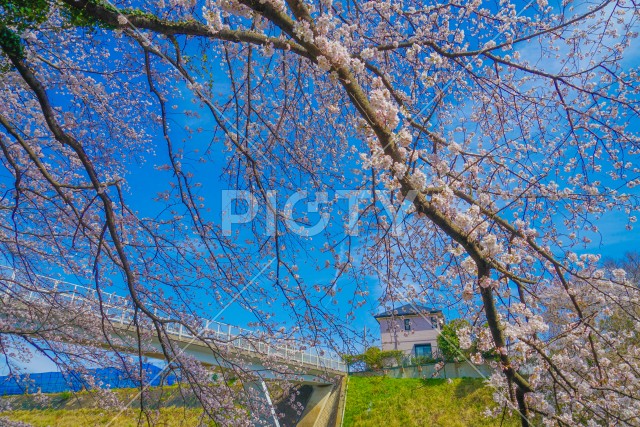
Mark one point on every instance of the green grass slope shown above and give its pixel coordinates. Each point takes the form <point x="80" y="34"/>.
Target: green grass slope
<point x="371" y="401"/>
<point x="382" y="401"/>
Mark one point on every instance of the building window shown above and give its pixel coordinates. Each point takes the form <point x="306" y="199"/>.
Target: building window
<point x="434" y="322"/>
<point x="407" y="324"/>
<point x="423" y="350"/>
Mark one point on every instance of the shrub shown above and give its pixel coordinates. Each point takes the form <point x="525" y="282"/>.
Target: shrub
<point x="422" y="360"/>
<point x="65" y="395"/>
<point x="448" y="341"/>
<point x="374" y="358"/>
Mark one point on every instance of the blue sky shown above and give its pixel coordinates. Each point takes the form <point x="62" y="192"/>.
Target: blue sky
<point x="145" y="182"/>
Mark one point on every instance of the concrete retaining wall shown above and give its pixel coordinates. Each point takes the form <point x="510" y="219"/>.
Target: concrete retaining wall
<point x="450" y="370"/>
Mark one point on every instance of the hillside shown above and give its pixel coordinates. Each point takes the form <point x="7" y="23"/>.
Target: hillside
<point x="371" y="402"/>
<point x="382" y="401"/>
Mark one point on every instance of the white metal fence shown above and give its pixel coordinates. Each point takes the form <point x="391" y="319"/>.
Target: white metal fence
<point x="119" y="311"/>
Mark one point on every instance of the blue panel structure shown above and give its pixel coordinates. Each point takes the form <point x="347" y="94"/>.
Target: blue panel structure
<point x="56" y="382"/>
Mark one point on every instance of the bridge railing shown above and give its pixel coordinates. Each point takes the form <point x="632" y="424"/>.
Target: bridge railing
<point x="118" y="309"/>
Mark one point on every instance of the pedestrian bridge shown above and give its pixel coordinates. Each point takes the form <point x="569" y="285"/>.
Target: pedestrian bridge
<point x="310" y="367"/>
<point x="246" y="344"/>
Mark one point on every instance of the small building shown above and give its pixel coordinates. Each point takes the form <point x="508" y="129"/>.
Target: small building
<point x="411" y="328"/>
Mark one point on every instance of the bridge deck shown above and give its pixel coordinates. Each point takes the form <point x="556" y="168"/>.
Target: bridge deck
<point x="118" y="310"/>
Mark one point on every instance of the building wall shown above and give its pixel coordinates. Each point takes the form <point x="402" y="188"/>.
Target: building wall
<point x="392" y="330"/>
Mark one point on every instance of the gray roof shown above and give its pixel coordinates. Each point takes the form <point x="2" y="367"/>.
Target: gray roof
<point x="408" y="310"/>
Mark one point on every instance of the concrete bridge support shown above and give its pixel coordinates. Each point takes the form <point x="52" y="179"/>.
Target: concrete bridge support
<point x="324" y="408"/>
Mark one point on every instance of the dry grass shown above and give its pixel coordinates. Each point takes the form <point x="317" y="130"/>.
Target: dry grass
<point x="167" y="417"/>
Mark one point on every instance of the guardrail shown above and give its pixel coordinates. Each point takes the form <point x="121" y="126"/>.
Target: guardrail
<point x="118" y="309"/>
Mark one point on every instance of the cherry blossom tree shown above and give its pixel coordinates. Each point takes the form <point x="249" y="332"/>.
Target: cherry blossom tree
<point x="507" y="127"/>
